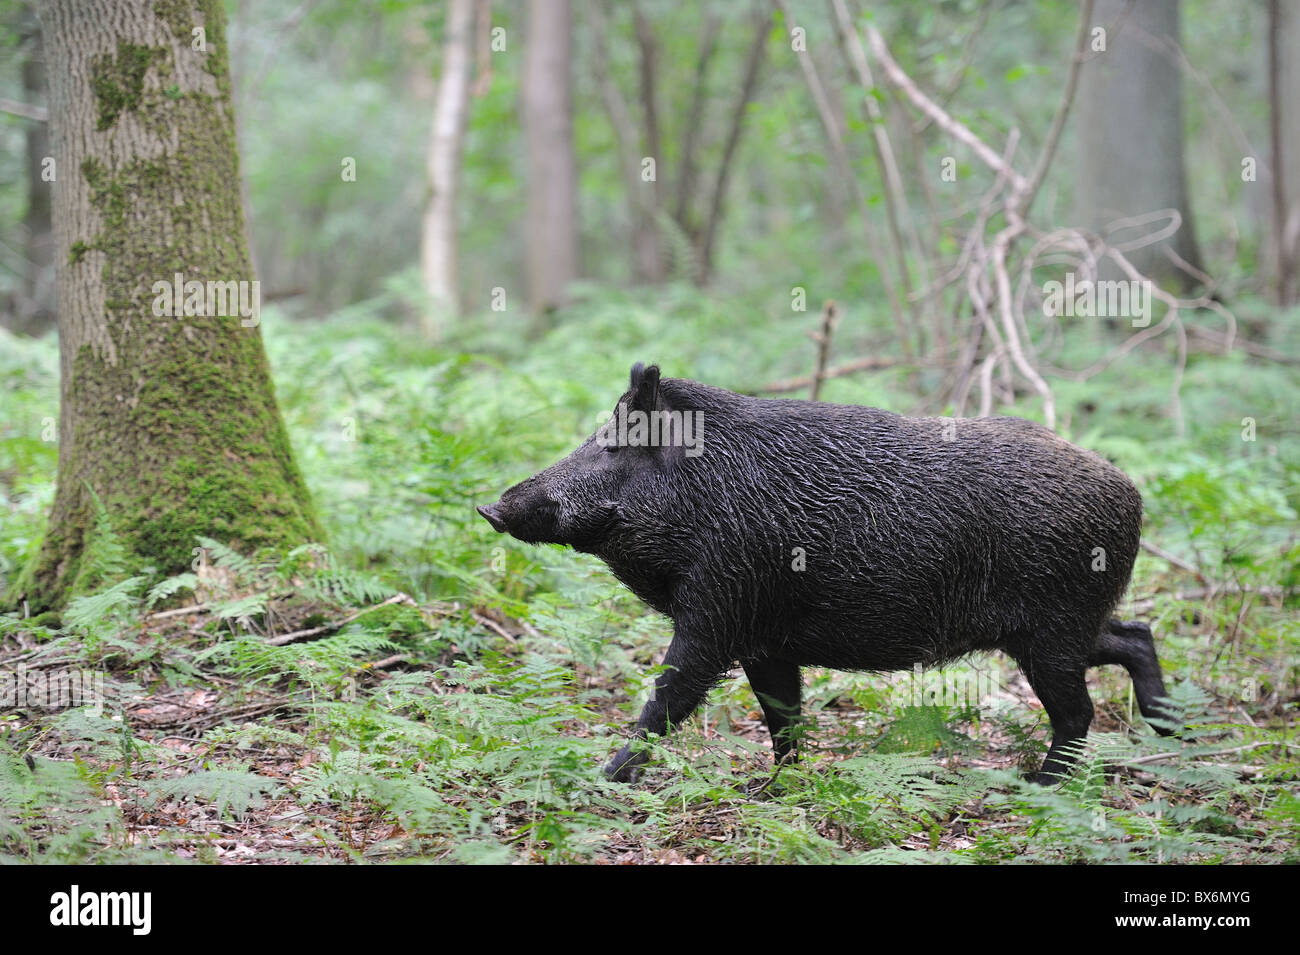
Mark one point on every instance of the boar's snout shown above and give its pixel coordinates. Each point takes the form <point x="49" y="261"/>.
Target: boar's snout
<point x="493" y="514"/>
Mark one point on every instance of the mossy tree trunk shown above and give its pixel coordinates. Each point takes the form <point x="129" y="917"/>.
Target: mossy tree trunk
<point x="170" y="421"/>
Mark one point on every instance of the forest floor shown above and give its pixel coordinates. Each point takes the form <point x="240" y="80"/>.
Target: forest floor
<point x="210" y="760"/>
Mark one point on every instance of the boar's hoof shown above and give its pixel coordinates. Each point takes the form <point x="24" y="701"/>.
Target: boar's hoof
<point x="625" y="767"/>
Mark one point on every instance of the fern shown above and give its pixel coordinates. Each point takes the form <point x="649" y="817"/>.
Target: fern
<point x="109" y="608"/>
<point x="232" y="790"/>
<point x="105" y="558"/>
<point x="172" y="585"/>
<point x="242" y="568"/>
<point x="240" y="608"/>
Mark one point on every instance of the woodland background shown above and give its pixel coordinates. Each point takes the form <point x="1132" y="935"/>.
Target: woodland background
<point x="460" y="255"/>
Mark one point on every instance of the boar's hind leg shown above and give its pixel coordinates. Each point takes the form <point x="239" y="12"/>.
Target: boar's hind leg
<point x="1131" y="646"/>
<point x="679" y="689"/>
<point x="1064" y="694"/>
<point x="778" y="686"/>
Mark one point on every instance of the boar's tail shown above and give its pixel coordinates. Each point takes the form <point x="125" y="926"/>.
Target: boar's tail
<point x="1129" y="643"/>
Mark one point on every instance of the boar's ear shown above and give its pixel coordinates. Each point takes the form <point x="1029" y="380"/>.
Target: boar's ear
<point x="644" y="387"/>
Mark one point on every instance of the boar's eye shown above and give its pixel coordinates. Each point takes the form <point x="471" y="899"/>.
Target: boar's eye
<point x="610" y="449"/>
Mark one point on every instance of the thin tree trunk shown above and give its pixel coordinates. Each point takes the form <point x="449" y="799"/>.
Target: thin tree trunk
<point x="753" y="64"/>
<point x="446" y="140"/>
<point x="1130" y="128"/>
<point x="694" y="124"/>
<point x="552" y="222"/>
<point x="169" y="420"/>
<point x="33" y="311"/>
<point x="647" y="258"/>
<point x="650" y="250"/>
<point x="1284" y="130"/>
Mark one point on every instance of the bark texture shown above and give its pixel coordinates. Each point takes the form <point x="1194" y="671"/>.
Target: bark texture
<point x="547" y="100"/>
<point x="446" y="141"/>
<point x="171" y="422"/>
<point x="1131" y="135"/>
<point x="1284" y="130"/>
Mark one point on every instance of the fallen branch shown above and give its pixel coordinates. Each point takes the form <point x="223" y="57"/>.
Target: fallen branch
<point x="1161" y="757"/>
<point x="1175" y="560"/>
<point x="26" y="111"/>
<point x="1207" y="593"/>
<point x="297" y="635"/>
<point x="178" y="612"/>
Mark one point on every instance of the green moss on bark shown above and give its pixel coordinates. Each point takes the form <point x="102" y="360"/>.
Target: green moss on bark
<point x="174" y="422"/>
<point x="118" y="80"/>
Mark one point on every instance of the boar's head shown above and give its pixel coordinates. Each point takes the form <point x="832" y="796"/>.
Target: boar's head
<point x="580" y="500"/>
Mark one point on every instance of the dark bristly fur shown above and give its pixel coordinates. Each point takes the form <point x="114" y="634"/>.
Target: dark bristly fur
<point x="922" y="539"/>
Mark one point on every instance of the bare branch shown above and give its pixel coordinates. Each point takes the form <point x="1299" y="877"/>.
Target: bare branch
<point x="15" y="108"/>
<point x="941" y="119"/>
<point x="830" y="315"/>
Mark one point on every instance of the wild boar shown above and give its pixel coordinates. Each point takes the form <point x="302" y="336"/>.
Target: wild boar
<point x="781" y="533"/>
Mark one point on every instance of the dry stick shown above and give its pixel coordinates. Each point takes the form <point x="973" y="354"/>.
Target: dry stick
<point x="974" y="278"/>
<point x="941" y="119"/>
<point x="1001" y="243"/>
<point x="26" y="111"/>
<point x="1175" y="560"/>
<point x="179" y="611"/>
<point x="1173" y="304"/>
<point x="1160" y="757"/>
<point x="830" y="315"/>
<point x="284" y="638"/>
<point x="895" y="200"/>
<point x="1207" y="593"/>
<point x="986" y="381"/>
<point x="839" y="371"/>
<point x="494" y="626"/>
<point x="844" y="169"/>
<point x="1018" y="206"/>
<point x="1077" y="238"/>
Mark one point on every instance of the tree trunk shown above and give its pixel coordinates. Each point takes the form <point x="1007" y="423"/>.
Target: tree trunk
<point x="1130" y="136"/>
<point x="1284" y="128"/>
<point x="649" y="249"/>
<point x="752" y="65"/>
<point x="647" y="258"/>
<point x="547" y="101"/>
<point x="167" y="419"/>
<point x="447" y="138"/>
<point x="33" y="308"/>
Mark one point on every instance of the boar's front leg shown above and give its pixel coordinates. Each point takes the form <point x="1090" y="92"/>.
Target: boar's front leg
<point x="778" y="686"/>
<point x="690" y="672"/>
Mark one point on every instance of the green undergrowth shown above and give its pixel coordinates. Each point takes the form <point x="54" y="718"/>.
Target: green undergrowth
<point x="451" y="694"/>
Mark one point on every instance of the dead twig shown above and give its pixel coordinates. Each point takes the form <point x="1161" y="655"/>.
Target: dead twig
<point x="830" y="315"/>
<point x="297" y="635"/>
<point x="848" y="368"/>
<point x="1175" y="560"/>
